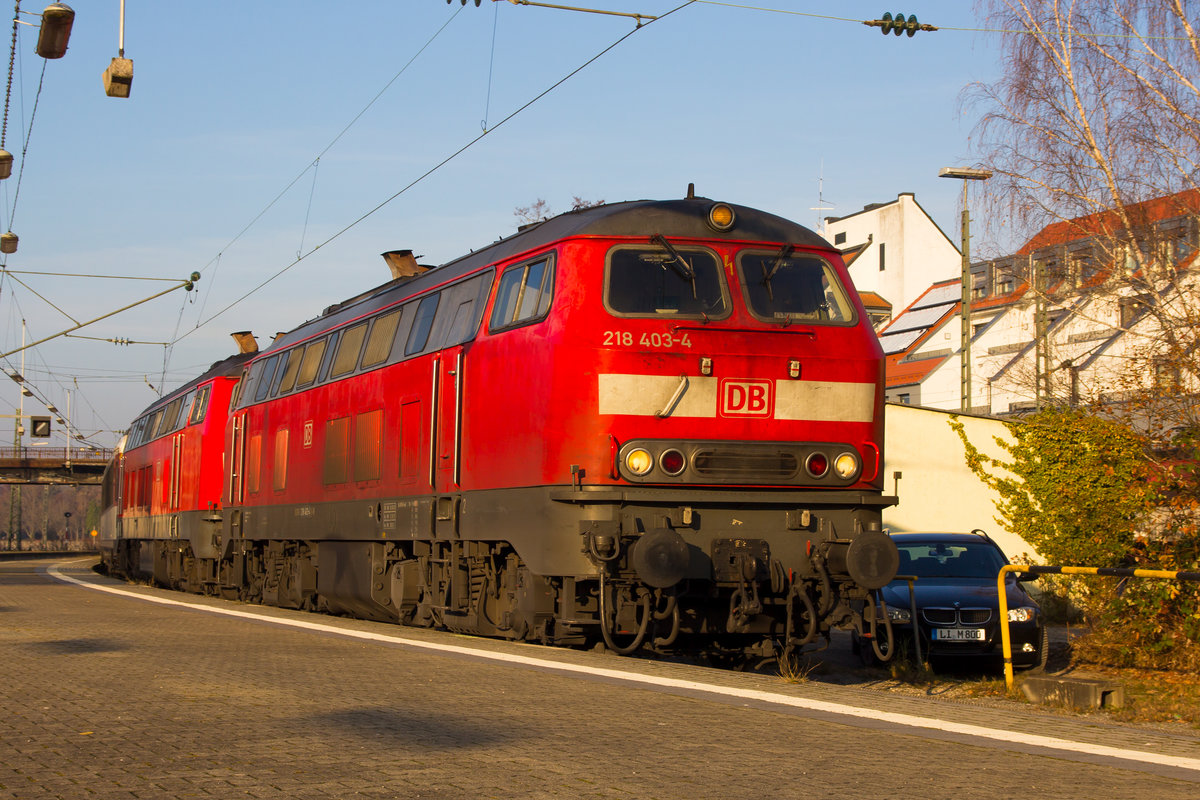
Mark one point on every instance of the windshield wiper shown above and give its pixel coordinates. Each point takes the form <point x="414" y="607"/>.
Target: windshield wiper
<point x="768" y="274"/>
<point x="682" y="268"/>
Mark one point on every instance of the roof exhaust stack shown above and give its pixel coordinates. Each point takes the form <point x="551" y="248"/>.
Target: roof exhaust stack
<point x="245" y="341"/>
<point x="403" y="264"/>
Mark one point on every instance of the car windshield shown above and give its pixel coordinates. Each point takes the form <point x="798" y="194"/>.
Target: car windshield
<point x="950" y="560"/>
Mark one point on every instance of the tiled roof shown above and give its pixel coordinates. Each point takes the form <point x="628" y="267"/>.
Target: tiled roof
<point x="903" y="373"/>
<point x="873" y="300"/>
<point x="1108" y="222"/>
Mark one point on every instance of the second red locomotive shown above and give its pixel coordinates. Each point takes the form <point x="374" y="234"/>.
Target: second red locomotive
<point x="653" y="424"/>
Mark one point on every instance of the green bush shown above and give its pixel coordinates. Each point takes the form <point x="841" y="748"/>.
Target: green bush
<point x="1089" y="491"/>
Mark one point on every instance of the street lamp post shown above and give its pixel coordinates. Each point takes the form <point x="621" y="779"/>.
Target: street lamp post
<point x="965" y="174"/>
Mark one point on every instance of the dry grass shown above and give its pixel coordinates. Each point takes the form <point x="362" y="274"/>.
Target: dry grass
<point x="795" y="668"/>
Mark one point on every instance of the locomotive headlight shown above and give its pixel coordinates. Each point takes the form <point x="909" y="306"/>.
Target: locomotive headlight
<point x="639" y="461"/>
<point x="846" y="466"/>
<point x="720" y="217"/>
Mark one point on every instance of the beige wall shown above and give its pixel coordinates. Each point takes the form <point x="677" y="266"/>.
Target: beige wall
<point x="937" y="492"/>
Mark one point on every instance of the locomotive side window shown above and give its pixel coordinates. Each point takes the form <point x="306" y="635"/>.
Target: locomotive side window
<point x="327" y="360"/>
<point x="264" y="379"/>
<point x="287" y="376"/>
<point x="135" y="433"/>
<point x="781" y="287"/>
<point x="199" y="407"/>
<point x="524" y="294"/>
<point x="677" y="282"/>
<point x="310" y="362"/>
<point x="166" y="422"/>
<point x="236" y="396"/>
<point x="152" y="426"/>
<point x="379" y="343"/>
<point x="348" y="349"/>
<point x="467" y="299"/>
<point x="418" y="337"/>
<point x="185" y="409"/>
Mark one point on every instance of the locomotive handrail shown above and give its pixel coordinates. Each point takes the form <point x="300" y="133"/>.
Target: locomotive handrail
<point x="675" y="398"/>
<point x="1112" y="572"/>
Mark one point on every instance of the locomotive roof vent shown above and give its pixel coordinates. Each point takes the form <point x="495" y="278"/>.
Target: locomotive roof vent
<point x="403" y="264"/>
<point x="245" y="341"/>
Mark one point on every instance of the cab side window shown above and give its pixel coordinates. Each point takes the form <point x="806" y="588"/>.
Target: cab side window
<point x="524" y="294"/>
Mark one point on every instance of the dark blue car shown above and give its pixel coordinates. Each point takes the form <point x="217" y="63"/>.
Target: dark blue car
<point x="958" y="610"/>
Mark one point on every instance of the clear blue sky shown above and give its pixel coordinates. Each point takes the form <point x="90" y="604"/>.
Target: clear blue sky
<point x="232" y="102"/>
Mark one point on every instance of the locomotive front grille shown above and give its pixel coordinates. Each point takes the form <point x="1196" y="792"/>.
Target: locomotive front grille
<point x="957" y="616"/>
<point x="745" y="465"/>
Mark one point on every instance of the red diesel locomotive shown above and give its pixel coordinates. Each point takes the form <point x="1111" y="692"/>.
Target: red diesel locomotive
<point x="653" y="424"/>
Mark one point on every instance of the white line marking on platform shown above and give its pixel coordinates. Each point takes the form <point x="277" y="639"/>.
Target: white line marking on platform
<point x="906" y="720"/>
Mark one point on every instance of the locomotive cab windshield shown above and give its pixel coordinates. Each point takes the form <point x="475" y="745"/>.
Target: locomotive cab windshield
<point x="784" y="288"/>
<point x="684" y="282"/>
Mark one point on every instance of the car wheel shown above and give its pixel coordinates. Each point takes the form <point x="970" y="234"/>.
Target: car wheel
<point x="1038" y="665"/>
<point x="1043" y="651"/>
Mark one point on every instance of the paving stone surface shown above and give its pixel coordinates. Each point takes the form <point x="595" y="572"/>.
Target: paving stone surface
<point x="110" y="696"/>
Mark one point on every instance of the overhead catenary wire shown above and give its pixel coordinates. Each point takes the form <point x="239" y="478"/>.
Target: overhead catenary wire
<point x="487" y="105"/>
<point x="311" y="165"/>
<point x="1018" y="31"/>
<point x="12" y="212"/>
<point x="471" y="143"/>
<point x="181" y="285"/>
<point x="83" y="275"/>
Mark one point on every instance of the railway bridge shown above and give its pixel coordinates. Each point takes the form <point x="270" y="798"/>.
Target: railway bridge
<point x="53" y="465"/>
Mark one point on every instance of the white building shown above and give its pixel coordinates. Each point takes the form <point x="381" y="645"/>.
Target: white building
<point x="1072" y="341"/>
<point x="895" y="249"/>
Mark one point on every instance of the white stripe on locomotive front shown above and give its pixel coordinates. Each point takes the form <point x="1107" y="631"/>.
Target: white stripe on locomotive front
<point x="817" y="401"/>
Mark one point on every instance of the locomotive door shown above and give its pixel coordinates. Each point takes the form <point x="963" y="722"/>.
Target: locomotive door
<point x="174" y="487"/>
<point x="236" y="458"/>
<point x="446" y="469"/>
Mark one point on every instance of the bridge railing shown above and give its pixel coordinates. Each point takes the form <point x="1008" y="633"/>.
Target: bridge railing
<point x="55" y="454"/>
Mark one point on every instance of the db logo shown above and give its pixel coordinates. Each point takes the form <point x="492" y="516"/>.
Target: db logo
<point x="746" y="399"/>
<point x="308" y="434"/>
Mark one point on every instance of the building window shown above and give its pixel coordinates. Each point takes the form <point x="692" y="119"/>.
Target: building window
<point x="882" y="256"/>
<point x="906" y="399"/>
<point x="839" y="238"/>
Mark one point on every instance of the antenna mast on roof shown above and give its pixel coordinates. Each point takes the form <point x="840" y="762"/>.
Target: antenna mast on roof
<point x="820" y="206"/>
